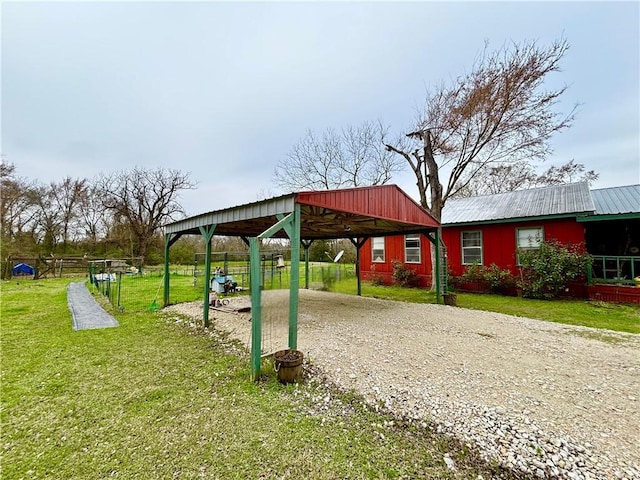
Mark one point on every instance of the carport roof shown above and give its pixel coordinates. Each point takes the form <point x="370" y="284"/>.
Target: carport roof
<point x="352" y="212"/>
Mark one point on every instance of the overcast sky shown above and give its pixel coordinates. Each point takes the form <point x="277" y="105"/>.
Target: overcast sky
<point x="224" y="90"/>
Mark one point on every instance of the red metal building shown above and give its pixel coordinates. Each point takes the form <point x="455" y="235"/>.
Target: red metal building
<point x="490" y="229"/>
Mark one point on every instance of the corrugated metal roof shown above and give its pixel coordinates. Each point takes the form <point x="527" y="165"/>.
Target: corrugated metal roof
<point x="617" y="200"/>
<point x="351" y="212"/>
<point x="535" y="202"/>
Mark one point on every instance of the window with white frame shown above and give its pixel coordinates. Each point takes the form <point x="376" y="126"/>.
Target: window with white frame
<point x="412" y="248"/>
<point x="377" y="249"/>
<point x="472" y="247"/>
<point x="528" y="239"/>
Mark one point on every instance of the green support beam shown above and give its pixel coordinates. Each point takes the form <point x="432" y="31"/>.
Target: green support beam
<point x="435" y="241"/>
<point x="207" y="233"/>
<point x="294" y="235"/>
<point x="169" y="239"/>
<point x="437" y="245"/>
<point x="291" y="225"/>
<point x="358" y="243"/>
<point x="256" y="307"/>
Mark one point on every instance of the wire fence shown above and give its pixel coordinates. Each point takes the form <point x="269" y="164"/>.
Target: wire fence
<point x="129" y="289"/>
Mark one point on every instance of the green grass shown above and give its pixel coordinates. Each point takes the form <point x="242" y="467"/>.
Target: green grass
<point x="622" y="318"/>
<point x="138" y="292"/>
<point x="157" y="399"/>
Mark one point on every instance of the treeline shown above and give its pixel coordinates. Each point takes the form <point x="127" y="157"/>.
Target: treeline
<point x="118" y="215"/>
<point x="112" y="215"/>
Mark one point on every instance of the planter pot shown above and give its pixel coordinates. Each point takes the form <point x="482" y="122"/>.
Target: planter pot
<point x="288" y="365"/>
<point x="450" y="299"/>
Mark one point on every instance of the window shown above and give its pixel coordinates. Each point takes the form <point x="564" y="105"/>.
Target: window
<point x="377" y="252"/>
<point x="528" y="239"/>
<point x="471" y="247"/>
<point x="412" y="248"/>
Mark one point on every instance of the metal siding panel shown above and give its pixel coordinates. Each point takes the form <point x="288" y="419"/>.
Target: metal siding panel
<point x="387" y="202"/>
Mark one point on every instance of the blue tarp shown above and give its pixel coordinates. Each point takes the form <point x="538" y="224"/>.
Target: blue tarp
<point x="23" y="269"/>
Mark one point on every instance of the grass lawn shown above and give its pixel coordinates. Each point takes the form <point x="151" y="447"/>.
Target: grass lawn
<point x="622" y="318"/>
<point x="157" y="399"/>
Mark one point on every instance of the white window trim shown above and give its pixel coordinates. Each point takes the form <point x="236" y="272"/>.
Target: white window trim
<point x="518" y="247"/>
<point x="373" y="249"/>
<point x="415" y="236"/>
<point x="462" y="247"/>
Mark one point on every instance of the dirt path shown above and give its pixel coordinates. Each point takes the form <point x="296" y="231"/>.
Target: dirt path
<point x="553" y="400"/>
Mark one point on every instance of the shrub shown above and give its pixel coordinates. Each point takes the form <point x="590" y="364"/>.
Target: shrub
<point x="473" y="273"/>
<point x="498" y="278"/>
<point x="546" y="271"/>
<point x="375" y="278"/>
<point x="403" y="275"/>
<point x="495" y="278"/>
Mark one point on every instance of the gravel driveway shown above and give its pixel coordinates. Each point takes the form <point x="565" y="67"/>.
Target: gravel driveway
<point x="554" y="400"/>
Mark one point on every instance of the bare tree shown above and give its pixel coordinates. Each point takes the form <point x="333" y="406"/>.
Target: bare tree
<point x="567" y="173"/>
<point x="92" y="219"/>
<point x="144" y="200"/>
<point x="17" y="208"/>
<point x="354" y="157"/>
<point x="48" y="221"/>
<point x="67" y="197"/>
<point x="496" y="114"/>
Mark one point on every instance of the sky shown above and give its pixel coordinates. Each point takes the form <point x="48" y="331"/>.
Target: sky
<point x="224" y="90"/>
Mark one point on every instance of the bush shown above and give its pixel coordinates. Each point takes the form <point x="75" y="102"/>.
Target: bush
<point x="473" y="273"/>
<point x="495" y="278"/>
<point x="403" y="275"/>
<point x="375" y="278"/>
<point x="498" y="278"/>
<point x="546" y="271"/>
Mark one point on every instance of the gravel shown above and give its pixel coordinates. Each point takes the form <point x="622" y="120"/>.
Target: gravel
<point x="551" y="400"/>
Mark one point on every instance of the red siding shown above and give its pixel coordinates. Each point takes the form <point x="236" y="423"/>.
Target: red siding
<point x="386" y="201"/>
<point x="499" y="247"/>
<point x="394" y="250"/>
<point x="614" y="293"/>
<point x="499" y="240"/>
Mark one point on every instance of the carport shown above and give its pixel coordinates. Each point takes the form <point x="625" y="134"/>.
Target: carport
<point x="302" y="217"/>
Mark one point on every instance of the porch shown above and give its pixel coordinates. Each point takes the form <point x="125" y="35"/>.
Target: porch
<point x="611" y="279"/>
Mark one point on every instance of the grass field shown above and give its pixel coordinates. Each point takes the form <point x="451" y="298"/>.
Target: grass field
<point x="139" y="292"/>
<point x="157" y="399"/>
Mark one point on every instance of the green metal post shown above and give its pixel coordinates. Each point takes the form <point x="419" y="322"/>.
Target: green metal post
<point x="437" y="246"/>
<point x="165" y="276"/>
<point x="119" y="287"/>
<point x="294" y="233"/>
<point x="207" y="233"/>
<point x="256" y="308"/>
<point x="357" y="243"/>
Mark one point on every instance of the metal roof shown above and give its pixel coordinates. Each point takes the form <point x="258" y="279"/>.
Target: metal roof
<point x="352" y="212"/>
<point x="556" y="200"/>
<point x="617" y="200"/>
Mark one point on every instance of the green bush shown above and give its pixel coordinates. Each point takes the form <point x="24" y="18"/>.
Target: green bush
<point x="498" y="278"/>
<point x="473" y="273"/>
<point x="403" y="275"/>
<point x="493" y="276"/>
<point x="546" y="271"/>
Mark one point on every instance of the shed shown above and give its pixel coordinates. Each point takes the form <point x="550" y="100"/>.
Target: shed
<point x="23" y="269"/>
<point x="354" y="213"/>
